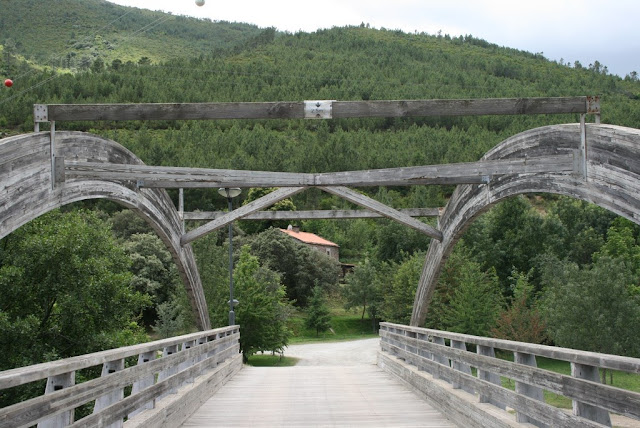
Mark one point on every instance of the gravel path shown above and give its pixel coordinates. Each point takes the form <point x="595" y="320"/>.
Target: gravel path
<point x="348" y="353"/>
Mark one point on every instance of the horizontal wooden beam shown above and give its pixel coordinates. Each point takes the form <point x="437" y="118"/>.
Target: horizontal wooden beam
<point x="296" y="109"/>
<point x="458" y="173"/>
<point x="310" y="215"/>
<point x="258" y="204"/>
<point x="380" y="208"/>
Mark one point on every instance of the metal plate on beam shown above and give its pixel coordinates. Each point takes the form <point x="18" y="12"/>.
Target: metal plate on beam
<point x="593" y="104"/>
<point x="40" y="113"/>
<point x="318" y="109"/>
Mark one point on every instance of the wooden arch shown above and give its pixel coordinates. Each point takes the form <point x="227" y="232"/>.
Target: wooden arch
<point x="609" y="176"/>
<point x="26" y="192"/>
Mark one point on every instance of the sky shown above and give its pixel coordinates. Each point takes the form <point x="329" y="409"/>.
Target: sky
<point x="567" y="30"/>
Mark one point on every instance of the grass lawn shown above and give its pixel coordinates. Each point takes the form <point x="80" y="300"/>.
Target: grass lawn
<point x="345" y="325"/>
<point x="268" y="360"/>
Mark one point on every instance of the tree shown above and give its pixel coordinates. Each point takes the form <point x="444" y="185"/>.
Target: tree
<point x="522" y="321"/>
<point x="301" y="267"/>
<point x="263" y="310"/>
<point x="363" y="289"/>
<point x="475" y="302"/>
<point x="318" y="317"/>
<point x="66" y="290"/>
<point x="154" y="273"/>
<point x="399" y="297"/>
<point x="604" y="312"/>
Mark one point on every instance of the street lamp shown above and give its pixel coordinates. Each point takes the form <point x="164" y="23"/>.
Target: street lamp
<point x="230" y="193"/>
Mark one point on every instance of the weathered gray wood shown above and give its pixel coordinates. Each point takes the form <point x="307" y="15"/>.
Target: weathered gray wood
<point x="143" y="382"/>
<point x="488" y="351"/>
<point x="188" y="362"/>
<point x="461" y="409"/>
<point x="439" y="358"/>
<point x="613" y="155"/>
<point x="588" y="411"/>
<point x="458" y="173"/>
<point x="28" y="412"/>
<point x="295" y="110"/>
<point x="373" y="205"/>
<point x="159" y="389"/>
<point x="258" y="204"/>
<point x="169" y="371"/>
<point x="460" y="365"/>
<point x="55" y="384"/>
<point x="26" y="192"/>
<point x="23" y="375"/>
<point x="533" y="408"/>
<point x="527" y="389"/>
<point x="616" y="400"/>
<point x="173" y="414"/>
<point x="307" y="215"/>
<point x="112" y="397"/>
<point x="614" y="362"/>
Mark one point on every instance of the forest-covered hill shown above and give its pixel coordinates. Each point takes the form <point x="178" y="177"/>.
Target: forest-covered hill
<point x="73" y="34"/>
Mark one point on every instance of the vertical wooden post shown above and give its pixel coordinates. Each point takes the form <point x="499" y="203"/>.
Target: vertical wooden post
<point x="189" y="362"/>
<point x="489" y="376"/>
<point x="526" y="389"/>
<point x="144" y="382"/>
<point x="170" y="371"/>
<point x="181" y="207"/>
<point x="202" y="355"/>
<point x="460" y="366"/>
<point x="114" y="396"/>
<point x="439" y="358"/>
<point x="423" y="353"/>
<point x="52" y="148"/>
<point x="583" y="146"/>
<point x="54" y="384"/>
<point x="587" y="411"/>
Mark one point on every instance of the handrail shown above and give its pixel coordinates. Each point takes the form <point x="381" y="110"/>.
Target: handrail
<point x="592" y="401"/>
<point x="163" y="367"/>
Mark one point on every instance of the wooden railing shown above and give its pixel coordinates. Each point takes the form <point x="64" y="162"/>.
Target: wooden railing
<point x="444" y="356"/>
<point x="163" y="368"/>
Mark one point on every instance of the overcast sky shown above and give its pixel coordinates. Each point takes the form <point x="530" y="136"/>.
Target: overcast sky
<point x="582" y="30"/>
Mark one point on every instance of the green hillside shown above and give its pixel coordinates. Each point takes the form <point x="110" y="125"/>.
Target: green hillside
<point x="75" y="33"/>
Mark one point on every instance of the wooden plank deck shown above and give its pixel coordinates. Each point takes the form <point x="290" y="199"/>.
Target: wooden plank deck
<point x="316" y="395"/>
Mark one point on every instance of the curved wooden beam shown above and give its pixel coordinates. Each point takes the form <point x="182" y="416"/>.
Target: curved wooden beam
<point x="26" y="193"/>
<point x="612" y="182"/>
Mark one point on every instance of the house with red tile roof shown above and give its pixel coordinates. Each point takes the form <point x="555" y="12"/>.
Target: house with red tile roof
<point x="314" y="241"/>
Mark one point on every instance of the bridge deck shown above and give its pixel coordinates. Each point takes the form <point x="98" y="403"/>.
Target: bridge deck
<point x="318" y="392"/>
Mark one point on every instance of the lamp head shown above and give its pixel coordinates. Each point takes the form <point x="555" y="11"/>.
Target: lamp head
<point x="229" y="192"/>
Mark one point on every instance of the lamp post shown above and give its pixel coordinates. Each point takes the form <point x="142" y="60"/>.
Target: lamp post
<point x="230" y="193"/>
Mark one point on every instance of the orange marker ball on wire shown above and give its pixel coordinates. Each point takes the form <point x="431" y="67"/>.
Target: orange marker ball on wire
<point x="8" y="83"/>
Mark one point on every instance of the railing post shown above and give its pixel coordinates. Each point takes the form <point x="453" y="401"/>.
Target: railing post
<point x="170" y="371"/>
<point x="54" y="384"/>
<point x="144" y="382"/>
<point x="202" y="355"/>
<point x="113" y="396"/>
<point x="423" y="353"/>
<point x="439" y="358"/>
<point x="526" y="389"/>
<point x="587" y="411"/>
<point x="460" y="366"/>
<point x="187" y="363"/>
<point x="488" y="351"/>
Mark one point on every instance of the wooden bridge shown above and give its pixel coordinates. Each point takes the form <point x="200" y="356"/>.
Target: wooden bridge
<point x="423" y="378"/>
<point x="594" y="162"/>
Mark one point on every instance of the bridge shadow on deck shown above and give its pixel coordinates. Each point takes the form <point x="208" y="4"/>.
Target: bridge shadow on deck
<point x="334" y="384"/>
